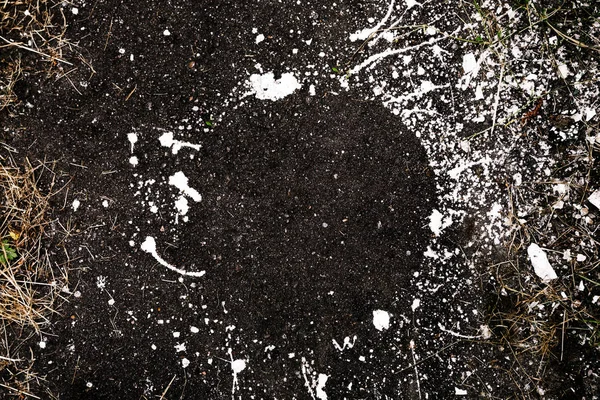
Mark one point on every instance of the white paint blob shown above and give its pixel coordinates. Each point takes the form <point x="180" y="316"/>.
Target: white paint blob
<point x="133" y="160"/>
<point x="541" y="265"/>
<point x="185" y="363"/>
<point x="381" y="320"/>
<point x="149" y="246"/>
<point x="266" y="87"/>
<point x="76" y="204"/>
<point x="260" y="38"/>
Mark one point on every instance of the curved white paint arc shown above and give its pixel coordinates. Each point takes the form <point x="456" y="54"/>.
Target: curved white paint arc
<point x="149" y="246"/>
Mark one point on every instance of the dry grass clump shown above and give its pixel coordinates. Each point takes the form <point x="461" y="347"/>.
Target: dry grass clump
<point x="32" y="31"/>
<point x="541" y="318"/>
<point x="29" y="285"/>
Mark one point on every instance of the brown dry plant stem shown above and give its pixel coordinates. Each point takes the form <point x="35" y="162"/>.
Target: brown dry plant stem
<point x="30" y="283"/>
<point x="31" y="30"/>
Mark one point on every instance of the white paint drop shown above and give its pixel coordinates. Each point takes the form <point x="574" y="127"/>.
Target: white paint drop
<point x="132" y="137"/>
<point x="42" y="344"/>
<point x="180" y="181"/>
<point x="75" y="10"/>
<point x="381" y="320"/>
<point x="260" y="38"/>
<point x="149" y="246"/>
<point x="76" y="204"/>
<point x="266" y="87"/>
<point x="166" y="32"/>
<point x="193" y="329"/>
<point x="415" y="304"/>
<point x="540" y="263"/>
<point x="111" y="302"/>
<point x="185" y="362"/>
<point x="133" y="160"/>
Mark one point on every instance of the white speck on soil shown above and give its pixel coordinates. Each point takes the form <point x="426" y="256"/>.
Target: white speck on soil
<point x="105" y="203"/>
<point x="42" y="344"/>
<point x="166" y="32"/>
<point x="460" y="392"/>
<point x="76" y="204"/>
<point x="381" y="320"/>
<point x="185" y="362"/>
<point x="193" y="329"/>
<point x="541" y="265"/>
<point x="260" y="38"/>
<point x="111" y="302"/>
<point x="133" y="160"/>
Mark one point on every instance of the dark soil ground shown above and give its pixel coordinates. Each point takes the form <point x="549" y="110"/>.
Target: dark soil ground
<point x="314" y="214"/>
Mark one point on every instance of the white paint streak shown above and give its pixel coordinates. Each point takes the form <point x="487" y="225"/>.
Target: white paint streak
<point x="376" y="58"/>
<point x="149" y="246"/>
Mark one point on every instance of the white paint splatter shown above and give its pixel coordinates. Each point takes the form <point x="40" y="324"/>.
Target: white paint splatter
<point x="149" y="246"/>
<point x="167" y="140"/>
<point x="266" y="87"/>
<point x="237" y="366"/>
<point x="180" y="181"/>
<point x="365" y="33"/>
<point x="541" y="265"/>
<point x="346" y="345"/>
<point x="320" y="392"/>
<point x="381" y="320"/>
